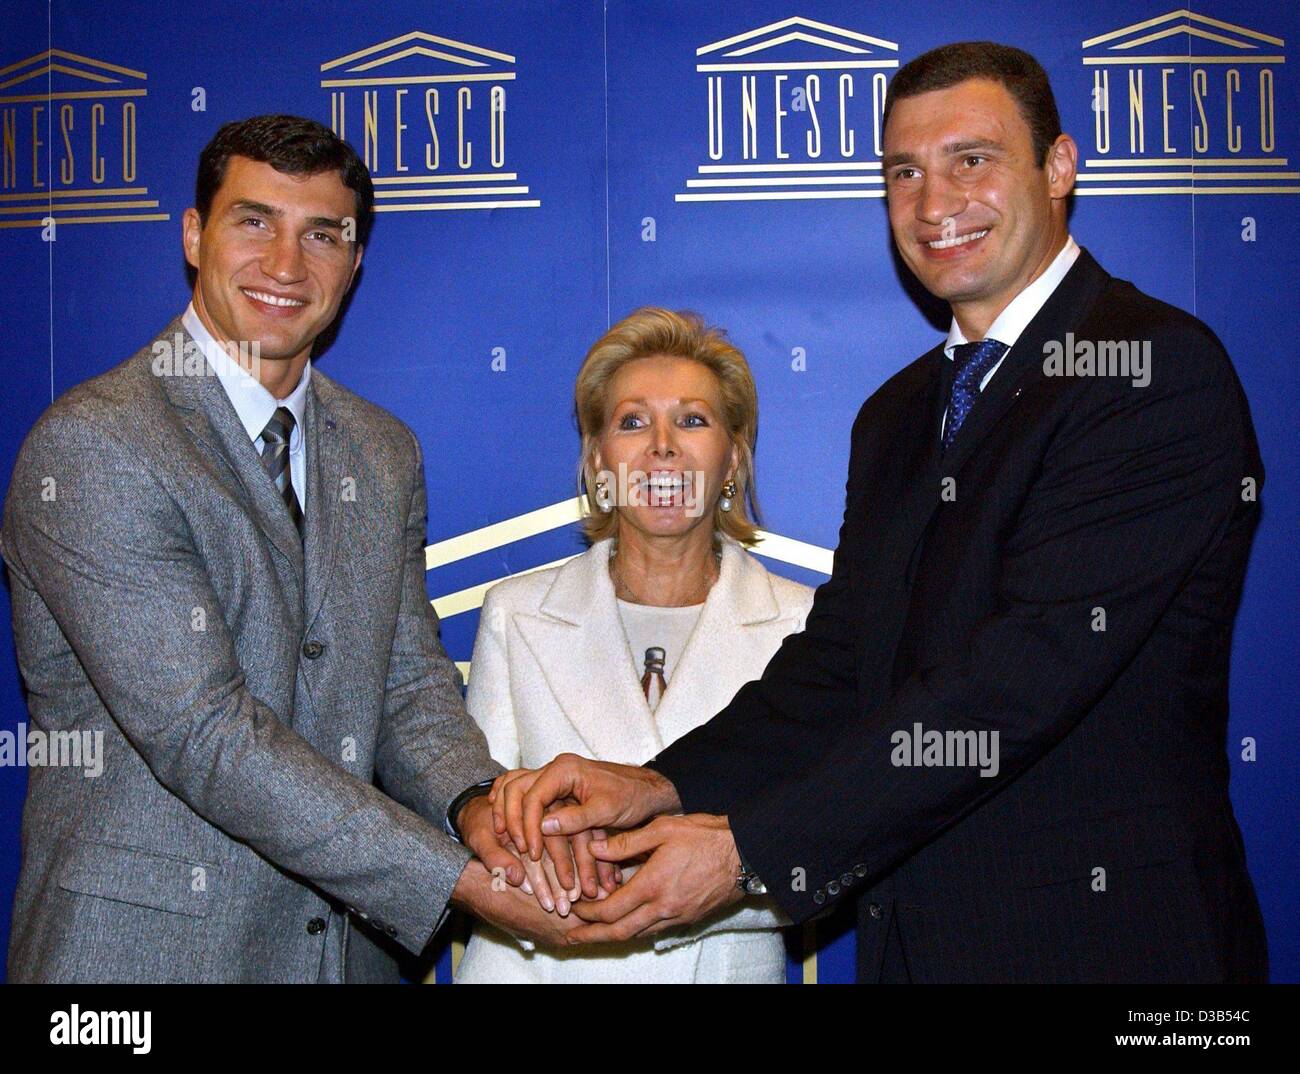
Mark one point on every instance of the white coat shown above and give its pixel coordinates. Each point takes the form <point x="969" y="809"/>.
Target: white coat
<point x="552" y="673"/>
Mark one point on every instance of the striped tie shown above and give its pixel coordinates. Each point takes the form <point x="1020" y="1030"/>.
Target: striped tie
<point x="275" y="457"/>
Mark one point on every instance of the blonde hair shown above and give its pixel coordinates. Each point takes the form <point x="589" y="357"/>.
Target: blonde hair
<point x="649" y="332"/>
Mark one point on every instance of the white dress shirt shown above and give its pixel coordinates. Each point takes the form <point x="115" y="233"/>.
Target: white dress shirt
<point x="1012" y="321"/>
<point x="254" y="404"/>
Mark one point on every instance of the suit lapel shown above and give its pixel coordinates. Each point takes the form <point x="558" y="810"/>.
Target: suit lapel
<point x="726" y="639"/>
<point x="1064" y="310"/>
<point x="327" y="453"/>
<point x="903" y="491"/>
<point x="578" y="642"/>
<point x="208" y="414"/>
<point x="906" y="483"/>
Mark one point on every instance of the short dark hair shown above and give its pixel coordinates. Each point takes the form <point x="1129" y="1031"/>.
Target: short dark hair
<point x="1019" y="72"/>
<point x="292" y="145"/>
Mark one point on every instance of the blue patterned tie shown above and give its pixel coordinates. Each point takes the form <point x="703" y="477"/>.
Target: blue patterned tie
<point x="971" y="361"/>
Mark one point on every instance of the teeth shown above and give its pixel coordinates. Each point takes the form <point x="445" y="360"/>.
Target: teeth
<point x="944" y="244"/>
<point x="273" y="300"/>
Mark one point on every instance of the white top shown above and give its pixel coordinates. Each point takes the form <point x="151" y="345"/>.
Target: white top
<point x="253" y="403"/>
<point x="669" y="629"/>
<point x="1011" y="323"/>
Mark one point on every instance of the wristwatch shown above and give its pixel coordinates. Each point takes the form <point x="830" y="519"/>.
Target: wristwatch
<point x="747" y="880"/>
<point x="474" y="790"/>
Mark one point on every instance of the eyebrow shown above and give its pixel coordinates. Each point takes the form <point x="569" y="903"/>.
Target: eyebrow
<point x="951" y="149"/>
<point x="679" y="402"/>
<point x="255" y="207"/>
<point x="275" y="214"/>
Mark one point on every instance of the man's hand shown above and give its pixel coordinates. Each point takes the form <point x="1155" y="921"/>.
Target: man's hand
<point x="691" y="872"/>
<point x="603" y="795"/>
<point x="566" y="872"/>
<point x="474" y="822"/>
<point x="490" y="899"/>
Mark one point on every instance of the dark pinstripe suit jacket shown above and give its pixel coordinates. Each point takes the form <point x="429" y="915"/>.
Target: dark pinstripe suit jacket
<point x="1105" y="847"/>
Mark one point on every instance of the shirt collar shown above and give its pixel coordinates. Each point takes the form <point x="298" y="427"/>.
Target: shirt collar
<point x="253" y="403"/>
<point x="1022" y="309"/>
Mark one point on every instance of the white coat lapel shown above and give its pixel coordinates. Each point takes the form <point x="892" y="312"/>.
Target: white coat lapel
<point x="727" y="646"/>
<point x="579" y="644"/>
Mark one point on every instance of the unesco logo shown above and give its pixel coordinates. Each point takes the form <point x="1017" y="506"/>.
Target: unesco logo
<point x="431" y="119"/>
<point x="792" y="111"/>
<point x="1184" y="104"/>
<point x="70" y="130"/>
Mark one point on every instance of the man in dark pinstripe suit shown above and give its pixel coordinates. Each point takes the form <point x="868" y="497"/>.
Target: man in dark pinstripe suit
<point x="1003" y="729"/>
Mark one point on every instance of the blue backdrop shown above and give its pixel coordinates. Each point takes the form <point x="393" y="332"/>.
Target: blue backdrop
<point x="544" y="168"/>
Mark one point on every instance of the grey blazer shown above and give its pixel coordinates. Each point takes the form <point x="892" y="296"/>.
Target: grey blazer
<point x="251" y="692"/>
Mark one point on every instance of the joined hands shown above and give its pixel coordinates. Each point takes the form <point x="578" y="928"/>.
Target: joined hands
<point x="546" y="828"/>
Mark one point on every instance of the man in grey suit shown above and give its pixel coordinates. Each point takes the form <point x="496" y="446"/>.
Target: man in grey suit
<point x="219" y="565"/>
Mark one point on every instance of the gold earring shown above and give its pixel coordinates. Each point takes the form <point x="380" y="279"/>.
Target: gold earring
<point x="729" y="491"/>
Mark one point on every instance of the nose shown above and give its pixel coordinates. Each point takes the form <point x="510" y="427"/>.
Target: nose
<point x="283" y="260"/>
<point x="939" y="200"/>
<point x="664" y="442"/>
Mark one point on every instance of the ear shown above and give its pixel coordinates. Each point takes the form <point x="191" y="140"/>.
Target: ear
<point x="1062" y="166"/>
<point x="191" y="229"/>
<point x="356" y="265"/>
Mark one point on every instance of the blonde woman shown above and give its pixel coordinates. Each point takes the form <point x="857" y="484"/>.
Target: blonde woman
<point x="647" y="634"/>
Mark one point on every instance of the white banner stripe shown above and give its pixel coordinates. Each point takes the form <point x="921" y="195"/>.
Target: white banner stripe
<point x="796" y="553"/>
<point x="544" y="519"/>
<point x="468" y="600"/>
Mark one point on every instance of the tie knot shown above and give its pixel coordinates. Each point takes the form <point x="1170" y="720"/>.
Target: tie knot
<point x="973" y="360"/>
<point x="280" y="427"/>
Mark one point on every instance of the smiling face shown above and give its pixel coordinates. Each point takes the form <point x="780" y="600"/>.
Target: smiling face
<point x="272" y="265"/>
<point x="664" y="431"/>
<point x="973" y="213"/>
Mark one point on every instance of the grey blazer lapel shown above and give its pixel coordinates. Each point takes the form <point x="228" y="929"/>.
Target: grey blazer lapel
<point x="210" y="417"/>
<point x="327" y="453"/>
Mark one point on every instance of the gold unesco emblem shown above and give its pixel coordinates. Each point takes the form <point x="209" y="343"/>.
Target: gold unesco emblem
<point x="794" y="112"/>
<point x="430" y="118"/>
<point x="1184" y="104"/>
<point x="69" y="134"/>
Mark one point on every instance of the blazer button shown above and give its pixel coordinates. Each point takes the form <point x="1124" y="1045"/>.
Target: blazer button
<point x="860" y="870"/>
<point x="315" y="926"/>
<point x="312" y="649"/>
<point x="833" y="888"/>
<point x="874" y="909"/>
<point x="819" y="897"/>
<point x="390" y="930"/>
<point x="847" y="880"/>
